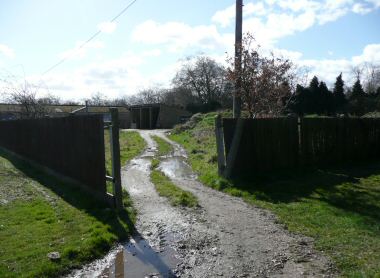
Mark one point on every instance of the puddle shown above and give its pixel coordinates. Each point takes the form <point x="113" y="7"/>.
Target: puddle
<point x="136" y="258"/>
<point x="139" y="259"/>
<point x="176" y="168"/>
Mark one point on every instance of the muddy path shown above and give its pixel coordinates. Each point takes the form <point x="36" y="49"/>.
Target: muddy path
<point x="224" y="237"/>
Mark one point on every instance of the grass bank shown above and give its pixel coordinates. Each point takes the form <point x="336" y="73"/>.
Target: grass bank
<point x="41" y="214"/>
<point x="339" y="207"/>
<point x="131" y="145"/>
<point x="164" y="186"/>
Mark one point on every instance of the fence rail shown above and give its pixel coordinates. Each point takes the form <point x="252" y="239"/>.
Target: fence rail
<point x="71" y="146"/>
<point x="283" y="143"/>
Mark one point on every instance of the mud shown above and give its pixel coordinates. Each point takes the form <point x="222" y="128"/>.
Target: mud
<point x="224" y="237"/>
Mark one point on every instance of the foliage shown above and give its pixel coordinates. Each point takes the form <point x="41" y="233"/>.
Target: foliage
<point x="339" y="208"/>
<point x="315" y="99"/>
<point x="265" y="81"/>
<point x="205" y="79"/>
<point x="357" y="99"/>
<point x="339" y="96"/>
<point x="41" y="214"/>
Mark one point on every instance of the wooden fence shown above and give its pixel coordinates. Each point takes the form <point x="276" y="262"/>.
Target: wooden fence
<point x="284" y="143"/>
<point x="71" y="146"/>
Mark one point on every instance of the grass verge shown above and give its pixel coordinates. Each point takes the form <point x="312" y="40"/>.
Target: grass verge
<point x="164" y="148"/>
<point x="164" y="186"/>
<point x="41" y="214"/>
<point x="339" y="207"/>
<point x="175" y="195"/>
<point x="131" y="144"/>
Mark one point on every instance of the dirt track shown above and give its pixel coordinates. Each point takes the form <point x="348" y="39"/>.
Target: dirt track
<point x="224" y="237"/>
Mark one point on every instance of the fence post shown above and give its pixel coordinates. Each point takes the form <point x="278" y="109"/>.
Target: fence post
<point x="231" y="158"/>
<point x="115" y="153"/>
<point x="220" y="144"/>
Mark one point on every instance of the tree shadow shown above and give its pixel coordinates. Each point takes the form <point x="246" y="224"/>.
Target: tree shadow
<point x="119" y="221"/>
<point x="353" y="187"/>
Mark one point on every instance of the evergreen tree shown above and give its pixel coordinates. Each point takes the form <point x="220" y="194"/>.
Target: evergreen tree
<point x="357" y="90"/>
<point x="316" y="98"/>
<point x="314" y="84"/>
<point x="326" y="101"/>
<point x="357" y="99"/>
<point x="339" y="96"/>
<point x="299" y="104"/>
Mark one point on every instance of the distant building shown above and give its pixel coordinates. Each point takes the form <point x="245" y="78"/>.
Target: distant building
<point x="15" y="111"/>
<point x="152" y="116"/>
<point x="147" y="116"/>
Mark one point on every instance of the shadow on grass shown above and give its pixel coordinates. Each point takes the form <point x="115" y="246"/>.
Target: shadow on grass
<point x="354" y="188"/>
<point x="120" y="222"/>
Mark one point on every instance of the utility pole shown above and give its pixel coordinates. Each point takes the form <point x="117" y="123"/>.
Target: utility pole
<point x="238" y="48"/>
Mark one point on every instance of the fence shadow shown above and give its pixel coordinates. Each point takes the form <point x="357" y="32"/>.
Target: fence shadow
<point x="341" y="187"/>
<point x="119" y="221"/>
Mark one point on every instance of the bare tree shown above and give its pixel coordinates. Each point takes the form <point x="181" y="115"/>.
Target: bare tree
<point x="266" y="81"/>
<point x="98" y="99"/>
<point x="204" y="77"/>
<point x="357" y="71"/>
<point x="24" y="94"/>
<point x="150" y="95"/>
<point x="371" y="78"/>
<point x="178" y="96"/>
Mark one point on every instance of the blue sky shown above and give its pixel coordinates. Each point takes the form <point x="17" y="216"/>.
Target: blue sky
<point x="148" y="43"/>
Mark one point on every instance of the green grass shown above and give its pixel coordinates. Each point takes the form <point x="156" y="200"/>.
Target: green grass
<point x="164" y="148"/>
<point x="164" y="186"/>
<point x="42" y="214"/>
<point x="131" y="145"/>
<point x="155" y="163"/>
<point x="339" y="207"/>
<point x="175" y="195"/>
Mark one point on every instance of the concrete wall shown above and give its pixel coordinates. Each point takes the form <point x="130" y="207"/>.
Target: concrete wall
<point x="170" y="116"/>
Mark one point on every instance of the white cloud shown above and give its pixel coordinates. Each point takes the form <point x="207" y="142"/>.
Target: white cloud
<point x="178" y="36"/>
<point x="6" y="51"/>
<point x="360" y="8"/>
<point x="298" y="5"/>
<point x="257" y="9"/>
<point x="375" y="3"/>
<point x="275" y="19"/>
<point x="113" y="78"/>
<point x="371" y="54"/>
<point x="79" y="52"/>
<point x="107" y="27"/>
<point x="225" y="17"/>
<point x="278" y="26"/>
<point x="328" y="69"/>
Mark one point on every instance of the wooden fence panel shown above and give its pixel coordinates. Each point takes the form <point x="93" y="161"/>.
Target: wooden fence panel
<point x="278" y="143"/>
<point x="333" y="141"/>
<point x="72" y="146"/>
<point x="266" y="144"/>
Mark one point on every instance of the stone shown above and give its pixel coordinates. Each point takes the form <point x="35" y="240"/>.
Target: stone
<point x="54" y="256"/>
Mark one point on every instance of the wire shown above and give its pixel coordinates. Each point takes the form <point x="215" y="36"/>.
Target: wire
<point x="88" y="40"/>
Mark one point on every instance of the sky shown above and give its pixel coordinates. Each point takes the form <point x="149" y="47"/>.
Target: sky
<point x="148" y="43"/>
